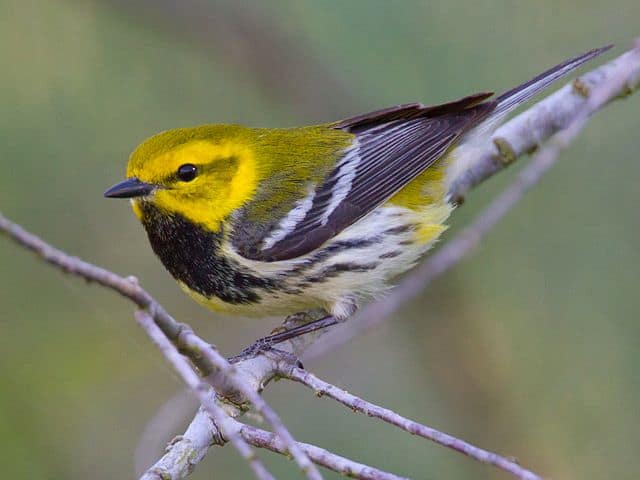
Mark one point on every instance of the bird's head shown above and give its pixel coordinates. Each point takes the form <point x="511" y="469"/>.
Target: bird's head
<point x="202" y="173"/>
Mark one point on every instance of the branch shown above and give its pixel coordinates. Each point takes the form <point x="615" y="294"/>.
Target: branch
<point x="189" y="448"/>
<point x="250" y="391"/>
<point x="204" y="355"/>
<point x="263" y="439"/>
<point x="562" y="114"/>
<point x="127" y="287"/>
<point x="322" y="388"/>
<point x="183" y="466"/>
<point x="235" y="382"/>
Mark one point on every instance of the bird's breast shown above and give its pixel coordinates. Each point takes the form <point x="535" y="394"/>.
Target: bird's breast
<point x="194" y="257"/>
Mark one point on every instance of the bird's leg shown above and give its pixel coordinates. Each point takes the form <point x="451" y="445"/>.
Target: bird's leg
<point x="294" y="326"/>
<point x="300" y="324"/>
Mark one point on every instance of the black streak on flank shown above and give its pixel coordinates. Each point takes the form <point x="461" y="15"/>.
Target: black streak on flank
<point x="332" y="249"/>
<point x="399" y="230"/>
<point x="192" y="255"/>
<point x="340" y="268"/>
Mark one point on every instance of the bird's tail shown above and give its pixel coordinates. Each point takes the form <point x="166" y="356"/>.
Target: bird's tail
<point x="511" y="99"/>
<point x="514" y="97"/>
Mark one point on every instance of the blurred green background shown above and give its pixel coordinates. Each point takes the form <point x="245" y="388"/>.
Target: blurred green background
<point x="530" y="348"/>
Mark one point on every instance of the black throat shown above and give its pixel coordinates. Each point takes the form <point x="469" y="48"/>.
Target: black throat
<point x="193" y="256"/>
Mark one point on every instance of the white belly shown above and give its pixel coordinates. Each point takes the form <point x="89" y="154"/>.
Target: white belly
<point x="355" y="265"/>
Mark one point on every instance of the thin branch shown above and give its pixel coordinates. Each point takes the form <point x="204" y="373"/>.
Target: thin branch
<point x="187" y="450"/>
<point x="201" y="353"/>
<point x="357" y="404"/>
<point x="263" y="439"/>
<point x="562" y="114"/>
<point x="127" y="287"/>
<point x="201" y="391"/>
<point x="202" y="433"/>
<point x="192" y="446"/>
<point x="231" y="373"/>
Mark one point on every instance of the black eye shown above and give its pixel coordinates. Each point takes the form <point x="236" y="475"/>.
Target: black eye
<point x="187" y="172"/>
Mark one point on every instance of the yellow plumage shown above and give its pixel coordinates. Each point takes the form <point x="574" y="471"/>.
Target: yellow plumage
<point x="272" y="221"/>
<point x="209" y="201"/>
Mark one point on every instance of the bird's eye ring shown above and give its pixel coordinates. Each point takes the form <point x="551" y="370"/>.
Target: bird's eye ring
<point x="187" y="172"/>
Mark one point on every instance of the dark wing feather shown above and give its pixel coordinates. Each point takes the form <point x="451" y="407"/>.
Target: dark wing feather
<point x="408" y="111"/>
<point x="394" y="146"/>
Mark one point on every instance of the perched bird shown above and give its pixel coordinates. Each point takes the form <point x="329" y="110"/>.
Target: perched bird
<point x="258" y="221"/>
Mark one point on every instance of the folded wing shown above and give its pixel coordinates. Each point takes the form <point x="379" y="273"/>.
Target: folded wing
<point x="391" y="148"/>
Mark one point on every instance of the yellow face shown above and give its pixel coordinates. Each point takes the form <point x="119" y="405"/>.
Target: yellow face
<point x="205" y="173"/>
<point x="203" y="180"/>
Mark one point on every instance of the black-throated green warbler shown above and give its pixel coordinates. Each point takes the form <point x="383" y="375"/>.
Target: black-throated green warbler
<point x="273" y="221"/>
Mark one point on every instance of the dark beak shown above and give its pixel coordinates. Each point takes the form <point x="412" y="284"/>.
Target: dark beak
<point x="130" y="188"/>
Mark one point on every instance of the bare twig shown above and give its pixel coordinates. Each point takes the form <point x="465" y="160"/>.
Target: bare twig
<point x="201" y="390"/>
<point x="231" y="373"/>
<point x="263" y="439"/>
<point x="357" y="404"/>
<point x="247" y="377"/>
<point x="186" y="450"/>
<point x="127" y="287"/>
<point x="564" y="114"/>
<point x="201" y="353"/>
<point x="202" y="433"/>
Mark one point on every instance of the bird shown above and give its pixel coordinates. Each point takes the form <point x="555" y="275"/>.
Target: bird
<point x="260" y="222"/>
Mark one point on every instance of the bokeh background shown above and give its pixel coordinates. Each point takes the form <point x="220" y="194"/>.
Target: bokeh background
<point x="529" y="348"/>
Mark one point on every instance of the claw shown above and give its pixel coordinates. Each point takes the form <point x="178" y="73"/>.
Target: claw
<point x="264" y="345"/>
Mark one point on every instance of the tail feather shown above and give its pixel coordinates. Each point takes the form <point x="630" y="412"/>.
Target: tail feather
<point x="505" y="103"/>
<point x="514" y="97"/>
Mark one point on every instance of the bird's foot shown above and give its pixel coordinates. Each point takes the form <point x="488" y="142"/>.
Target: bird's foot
<point x="262" y="345"/>
<point x="265" y="346"/>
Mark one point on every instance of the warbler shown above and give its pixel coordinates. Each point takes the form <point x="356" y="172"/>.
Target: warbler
<point x="261" y="222"/>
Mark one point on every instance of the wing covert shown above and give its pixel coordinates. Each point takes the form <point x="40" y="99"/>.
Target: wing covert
<point x="391" y="148"/>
